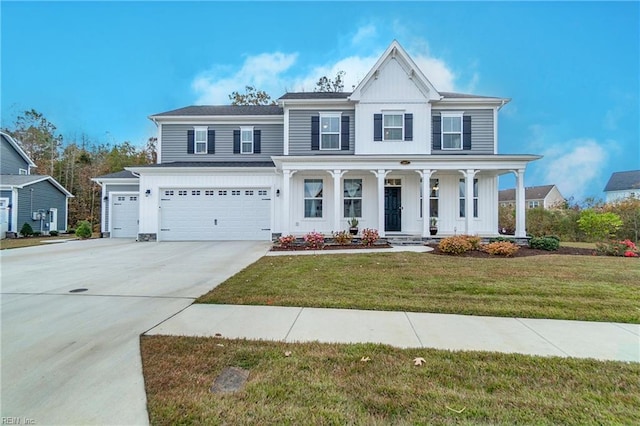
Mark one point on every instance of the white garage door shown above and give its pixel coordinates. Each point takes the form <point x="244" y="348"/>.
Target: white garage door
<point x="124" y="216"/>
<point x="215" y="214"/>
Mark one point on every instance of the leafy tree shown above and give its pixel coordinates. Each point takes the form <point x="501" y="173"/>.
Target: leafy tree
<point x="629" y="211"/>
<point x="83" y="230"/>
<point x="599" y="226"/>
<point x="326" y="84"/>
<point x="252" y="96"/>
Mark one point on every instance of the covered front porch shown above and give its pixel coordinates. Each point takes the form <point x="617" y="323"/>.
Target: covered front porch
<point x="398" y="195"/>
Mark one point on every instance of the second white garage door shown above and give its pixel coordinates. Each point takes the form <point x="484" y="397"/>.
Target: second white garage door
<point x="215" y="214"/>
<point x="124" y="215"/>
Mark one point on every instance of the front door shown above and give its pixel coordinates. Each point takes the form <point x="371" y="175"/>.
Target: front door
<point x="53" y="219"/>
<point x="392" y="209"/>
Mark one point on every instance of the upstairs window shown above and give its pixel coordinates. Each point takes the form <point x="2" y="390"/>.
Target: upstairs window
<point x="246" y="140"/>
<point x="393" y="127"/>
<point x="329" y="131"/>
<point x="200" y="140"/>
<point x="451" y="131"/>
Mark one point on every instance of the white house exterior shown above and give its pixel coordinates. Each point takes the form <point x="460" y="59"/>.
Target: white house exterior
<point x="318" y="159"/>
<point x="623" y="185"/>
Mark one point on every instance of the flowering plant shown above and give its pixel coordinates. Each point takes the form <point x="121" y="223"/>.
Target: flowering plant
<point x="287" y="240"/>
<point x="314" y="240"/>
<point x="369" y="236"/>
<point x="342" y="237"/>
<point x="626" y="248"/>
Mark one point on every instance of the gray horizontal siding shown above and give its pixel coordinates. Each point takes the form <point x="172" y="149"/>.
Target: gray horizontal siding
<point x="44" y="197"/>
<point x="10" y="161"/>
<point x="481" y="132"/>
<point x="174" y="143"/>
<point x="300" y="133"/>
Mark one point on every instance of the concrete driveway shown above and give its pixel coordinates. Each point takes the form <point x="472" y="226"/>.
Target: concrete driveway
<point x="74" y="358"/>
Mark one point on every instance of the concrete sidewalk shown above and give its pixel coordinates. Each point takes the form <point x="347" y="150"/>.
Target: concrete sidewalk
<point x="580" y="339"/>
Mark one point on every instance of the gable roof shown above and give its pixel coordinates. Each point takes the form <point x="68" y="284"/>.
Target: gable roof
<point x="530" y="193"/>
<point x="620" y="181"/>
<point x="122" y="174"/>
<point x="8" y="139"/>
<point x="397" y="52"/>
<point x="225" y="110"/>
<point x="21" y="181"/>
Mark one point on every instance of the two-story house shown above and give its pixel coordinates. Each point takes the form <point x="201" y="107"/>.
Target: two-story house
<point x="622" y="185"/>
<point x="544" y="196"/>
<point x="393" y="153"/>
<point x="38" y="200"/>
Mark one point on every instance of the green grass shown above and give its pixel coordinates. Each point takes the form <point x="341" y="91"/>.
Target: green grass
<point x="578" y="244"/>
<point x="328" y="384"/>
<point x="30" y="242"/>
<point x="589" y="288"/>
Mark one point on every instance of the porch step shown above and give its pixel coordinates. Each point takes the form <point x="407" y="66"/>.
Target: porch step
<point x="405" y="240"/>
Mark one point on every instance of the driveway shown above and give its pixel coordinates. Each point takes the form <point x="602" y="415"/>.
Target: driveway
<point x="74" y="358"/>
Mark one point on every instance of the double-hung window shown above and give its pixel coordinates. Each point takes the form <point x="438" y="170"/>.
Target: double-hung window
<point x="313" y="198"/>
<point x="463" y="196"/>
<point x="246" y="140"/>
<point x="330" y="131"/>
<point x="393" y="126"/>
<point x="200" y="140"/>
<point x="451" y="131"/>
<point x="352" y="198"/>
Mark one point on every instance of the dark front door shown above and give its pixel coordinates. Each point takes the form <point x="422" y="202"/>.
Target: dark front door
<point x="392" y="209"/>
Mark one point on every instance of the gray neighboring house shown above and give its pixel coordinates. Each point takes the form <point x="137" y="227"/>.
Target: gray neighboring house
<point x="38" y="200"/>
<point x="545" y="196"/>
<point x="120" y="204"/>
<point x="623" y="185"/>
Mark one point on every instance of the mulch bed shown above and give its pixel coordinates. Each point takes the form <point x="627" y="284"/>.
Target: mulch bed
<point x="331" y="247"/>
<point x="524" y="251"/>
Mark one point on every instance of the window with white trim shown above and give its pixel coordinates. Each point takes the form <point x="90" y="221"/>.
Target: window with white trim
<point x="330" y="131"/>
<point x="392" y="126"/>
<point x="246" y="140"/>
<point x="313" y="198"/>
<point x="23" y="172"/>
<point x="200" y="140"/>
<point x="352" y="198"/>
<point x="463" y="190"/>
<point x="534" y="204"/>
<point x="451" y="131"/>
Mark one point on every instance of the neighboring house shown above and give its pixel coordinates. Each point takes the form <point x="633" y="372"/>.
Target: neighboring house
<point x="623" y="185"/>
<point x="392" y="153"/>
<point x="545" y="196"/>
<point x="38" y="200"/>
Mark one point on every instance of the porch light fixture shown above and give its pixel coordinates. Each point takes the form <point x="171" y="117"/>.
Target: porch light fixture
<point x="106" y="197"/>
<point x="277" y="192"/>
<point x="147" y="192"/>
<point x="405" y="162"/>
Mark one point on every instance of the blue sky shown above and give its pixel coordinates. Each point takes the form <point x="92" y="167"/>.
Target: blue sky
<point x="571" y="69"/>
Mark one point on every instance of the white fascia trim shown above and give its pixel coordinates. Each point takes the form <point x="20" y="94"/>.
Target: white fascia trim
<point x="116" y="181"/>
<point x="19" y="149"/>
<point x="199" y="171"/>
<point x="475" y="103"/>
<point x="42" y="179"/>
<point x="220" y="119"/>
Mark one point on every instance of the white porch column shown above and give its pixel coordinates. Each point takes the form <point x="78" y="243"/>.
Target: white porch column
<point x="286" y="201"/>
<point x="337" y="188"/>
<point x="380" y="174"/>
<point x="468" y="201"/>
<point x="521" y="223"/>
<point x="426" y="197"/>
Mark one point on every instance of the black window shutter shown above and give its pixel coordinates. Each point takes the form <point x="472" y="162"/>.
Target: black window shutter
<point x="436" y="132"/>
<point x="315" y="133"/>
<point x="344" y="133"/>
<point x="211" y="141"/>
<point x="466" y="132"/>
<point x="256" y="141"/>
<point x="236" y="141"/>
<point x="408" y="127"/>
<point x="377" y="127"/>
<point x="191" y="137"/>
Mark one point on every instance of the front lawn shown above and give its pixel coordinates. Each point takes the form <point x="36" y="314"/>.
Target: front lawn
<point x="590" y="288"/>
<point x="329" y="384"/>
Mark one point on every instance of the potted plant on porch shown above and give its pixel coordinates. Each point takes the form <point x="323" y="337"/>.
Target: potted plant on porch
<point x="353" y="226"/>
<point x="433" y="227"/>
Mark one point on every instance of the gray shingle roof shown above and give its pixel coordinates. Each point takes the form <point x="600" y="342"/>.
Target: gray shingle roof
<point x="315" y="95"/>
<point x="203" y="110"/>
<point x="211" y="164"/>
<point x="25" y="180"/>
<point x="123" y="174"/>
<point x="530" y="193"/>
<point x="620" y="181"/>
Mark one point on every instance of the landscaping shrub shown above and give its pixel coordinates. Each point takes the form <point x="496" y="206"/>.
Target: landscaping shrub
<point x="474" y="240"/>
<point x="37" y="233"/>
<point x="314" y="240"/>
<point x="501" y="248"/>
<point x="501" y="239"/>
<point x="53" y="233"/>
<point x="599" y="226"/>
<point x="26" y="230"/>
<point x="343" y="238"/>
<point x="370" y="236"/>
<point x="544" y="243"/>
<point x="624" y="248"/>
<point x="287" y="240"/>
<point x="84" y="229"/>
<point x="455" y="245"/>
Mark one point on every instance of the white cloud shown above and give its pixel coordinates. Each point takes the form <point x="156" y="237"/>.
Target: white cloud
<point x="264" y="71"/>
<point x="364" y="33"/>
<point x="573" y="166"/>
